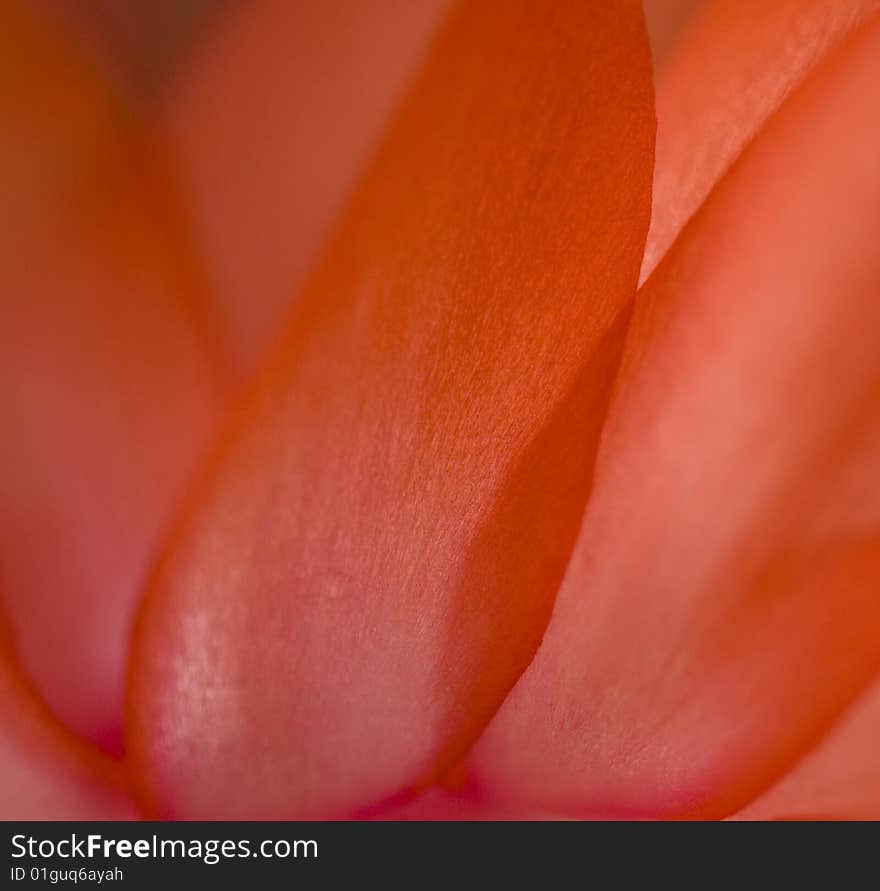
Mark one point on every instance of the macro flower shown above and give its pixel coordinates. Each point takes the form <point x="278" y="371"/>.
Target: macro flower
<point x="423" y="411"/>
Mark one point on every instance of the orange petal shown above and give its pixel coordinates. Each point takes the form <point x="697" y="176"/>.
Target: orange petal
<point x="271" y="122"/>
<point x="738" y="62"/>
<point x="721" y="607"/>
<point x="45" y="772"/>
<point x="373" y="562"/>
<point x="107" y="386"/>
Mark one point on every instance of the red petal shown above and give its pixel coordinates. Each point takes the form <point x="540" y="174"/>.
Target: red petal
<point x="107" y="388"/>
<point x="373" y="562"/>
<point x="721" y="608"/>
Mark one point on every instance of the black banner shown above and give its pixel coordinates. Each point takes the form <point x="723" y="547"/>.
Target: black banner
<point x="317" y="855"/>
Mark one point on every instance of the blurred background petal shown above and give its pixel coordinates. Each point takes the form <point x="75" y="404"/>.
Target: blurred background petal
<point x="140" y="43"/>
<point x="271" y="121"/>
<point x="110" y="379"/>
<point x="667" y="20"/>
<point x="46" y="772"/>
